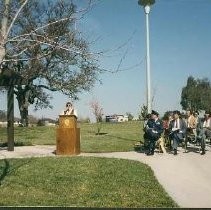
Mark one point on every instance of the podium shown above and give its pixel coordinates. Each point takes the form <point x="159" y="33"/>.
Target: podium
<point x="67" y="136"/>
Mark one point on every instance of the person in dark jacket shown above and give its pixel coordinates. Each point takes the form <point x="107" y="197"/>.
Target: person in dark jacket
<point x="205" y="130"/>
<point x="153" y="131"/>
<point x="200" y="134"/>
<point x="177" y="130"/>
<point x="145" y="125"/>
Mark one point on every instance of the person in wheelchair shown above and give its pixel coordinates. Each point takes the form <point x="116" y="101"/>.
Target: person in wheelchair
<point x="178" y="130"/>
<point x="153" y="131"/>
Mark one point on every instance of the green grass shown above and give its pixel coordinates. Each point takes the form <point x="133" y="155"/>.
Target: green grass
<point x="115" y="136"/>
<point x="79" y="182"/>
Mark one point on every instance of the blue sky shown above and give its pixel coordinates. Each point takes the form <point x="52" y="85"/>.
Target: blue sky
<point x="180" y="46"/>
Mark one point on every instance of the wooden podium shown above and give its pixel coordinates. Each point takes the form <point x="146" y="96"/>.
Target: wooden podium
<point x="67" y="136"/>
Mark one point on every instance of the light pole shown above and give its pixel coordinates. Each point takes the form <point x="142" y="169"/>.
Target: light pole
<point x="146" y="4"/>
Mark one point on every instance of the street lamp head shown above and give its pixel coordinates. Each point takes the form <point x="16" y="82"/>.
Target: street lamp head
<point x="146" y="2"/>
<point x="147" y="9"/>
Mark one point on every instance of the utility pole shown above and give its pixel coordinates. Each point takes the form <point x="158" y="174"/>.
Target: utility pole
<point x="146" y="4"/>
<point x="149" y="105"/>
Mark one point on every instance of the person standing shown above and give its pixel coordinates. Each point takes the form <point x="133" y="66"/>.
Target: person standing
<point x="178" y="130"/>
<point x="69" y="110"/>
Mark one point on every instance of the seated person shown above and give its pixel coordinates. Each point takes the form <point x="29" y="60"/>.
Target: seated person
<point x="206" y="130"/>
<point x="166" y="123"/>
<point x="200" y="135"/>
<point x="178" y="130"/>
<point x="69" y="110"/>
<point x="191" y="125"/>
<point x="153" y="131"/>
<point x="197" y="131"/>
<point x="145" y="125"/>
<point x="207" y="124"/>
<point x="191" y="119"/>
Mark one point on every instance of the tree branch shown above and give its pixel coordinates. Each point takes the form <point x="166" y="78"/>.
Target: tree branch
<point x="47" y="87"/>
<point x="15" y="17"/>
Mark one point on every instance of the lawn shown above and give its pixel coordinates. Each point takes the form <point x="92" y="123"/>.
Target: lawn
<point x="80" y="182"/>
<point x="114" y="136"/>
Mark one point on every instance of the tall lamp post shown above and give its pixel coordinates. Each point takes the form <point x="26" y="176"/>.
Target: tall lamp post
<point x="146" y="4"/>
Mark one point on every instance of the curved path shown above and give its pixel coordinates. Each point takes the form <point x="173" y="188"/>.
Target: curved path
<point x="186" y="177"/>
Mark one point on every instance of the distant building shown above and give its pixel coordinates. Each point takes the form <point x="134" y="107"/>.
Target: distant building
<point x="3" y="124"/>
<point x="47" y="123"/>
<point x="116" y="118"/>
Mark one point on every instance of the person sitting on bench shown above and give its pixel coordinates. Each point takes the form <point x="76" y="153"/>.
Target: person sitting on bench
<point x="191" y="125"/>
<point x="206" y="130"/>
<point x="178" y="130"/>
<point x="154" y="128"/>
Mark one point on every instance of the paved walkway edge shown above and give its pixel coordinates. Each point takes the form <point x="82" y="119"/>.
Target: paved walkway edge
<point x="185" y="177"/>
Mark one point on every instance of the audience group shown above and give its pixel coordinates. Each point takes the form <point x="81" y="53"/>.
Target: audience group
<point x="176" y="128"/>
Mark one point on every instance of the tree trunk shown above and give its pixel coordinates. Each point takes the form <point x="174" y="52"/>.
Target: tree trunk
<point x="23" y="105"/>
<point x="10" y="118"/>
<point x="24" y="116"/>
<point x="3" y="33"/>
<point x="2" y="54"/>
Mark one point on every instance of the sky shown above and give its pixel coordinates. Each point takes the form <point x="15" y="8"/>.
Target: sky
<point x="180" y="46"/>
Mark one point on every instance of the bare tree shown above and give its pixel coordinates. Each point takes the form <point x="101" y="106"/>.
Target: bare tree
<point x="38" y="41"/>
<point x="97" y="111"/>
<point x="40" y="17"/>
<point x="143" y="112"/>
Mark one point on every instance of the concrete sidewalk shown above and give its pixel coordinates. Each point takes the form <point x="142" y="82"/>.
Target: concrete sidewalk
<point x="28" y="151"/>
<point x="186" y="177"/>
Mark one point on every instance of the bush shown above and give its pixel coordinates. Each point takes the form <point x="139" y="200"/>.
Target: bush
<point x="41" y="122"/>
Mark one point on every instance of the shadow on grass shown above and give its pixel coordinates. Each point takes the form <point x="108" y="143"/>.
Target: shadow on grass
<point x="101" y="133"/>
<point x="16" y="144"/>
<point x="122" y="138"/>
<point x="6" y="169"/>
<point x="139" y="148"/>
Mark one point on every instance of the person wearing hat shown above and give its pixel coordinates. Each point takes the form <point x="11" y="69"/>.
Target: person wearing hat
<point x="177" y="130"/>
<point x="154" y="128"/>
